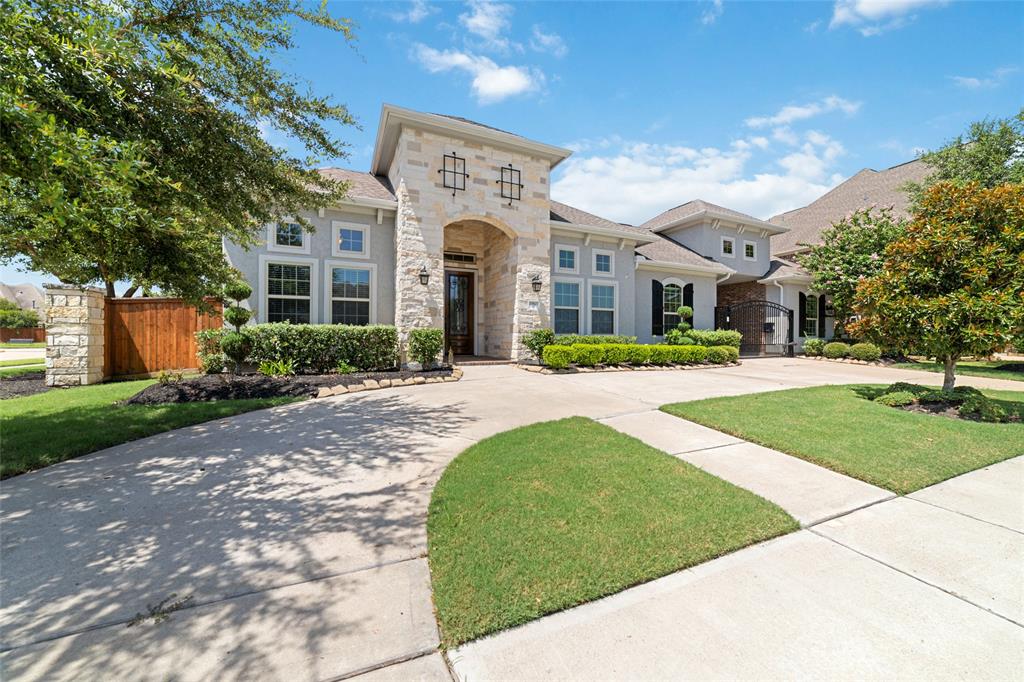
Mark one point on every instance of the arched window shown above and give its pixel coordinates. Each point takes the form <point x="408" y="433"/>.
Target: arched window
<point x="672" y="298"/>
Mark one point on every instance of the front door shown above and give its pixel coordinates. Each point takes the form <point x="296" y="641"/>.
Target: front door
<point x="458" y="312"/>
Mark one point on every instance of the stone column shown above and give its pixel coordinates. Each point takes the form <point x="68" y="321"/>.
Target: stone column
<point x="417" y="245"/>
<point x="74" y="335"/>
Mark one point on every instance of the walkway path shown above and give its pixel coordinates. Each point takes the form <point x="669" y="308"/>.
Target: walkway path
<point x="292" y="542"/>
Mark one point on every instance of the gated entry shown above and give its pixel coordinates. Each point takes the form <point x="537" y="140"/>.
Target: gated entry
<point x="767" y="327"/>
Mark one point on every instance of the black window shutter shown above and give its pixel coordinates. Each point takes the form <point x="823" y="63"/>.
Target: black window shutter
<point x="803" y="313"/>
<point x="688" y="299"/>
<point x="657" y="309"/>
<point x="821" y="316"/>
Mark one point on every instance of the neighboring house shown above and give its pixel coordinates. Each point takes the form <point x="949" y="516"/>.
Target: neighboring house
<point x="454" y="227"/>
<point x="27" y="296"/>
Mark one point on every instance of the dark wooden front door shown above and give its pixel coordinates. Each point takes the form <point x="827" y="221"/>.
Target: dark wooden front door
<point x="458" y="312"/>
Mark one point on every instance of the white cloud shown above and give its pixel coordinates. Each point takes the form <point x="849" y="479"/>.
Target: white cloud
<point x="491" y="82"/>
<point x="799" y="112"/>
<point x="710" y="14"/>
<point x="488" y="21"/>
<point x="634" y="181"/>
<point x="984" y="83"/>
<point x="418" y="11"/>
<point x="873" y="17"/>
<point x="548" y="42"/>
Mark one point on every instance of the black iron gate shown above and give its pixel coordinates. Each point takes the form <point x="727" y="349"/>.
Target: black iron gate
<point x="767" y="327"/>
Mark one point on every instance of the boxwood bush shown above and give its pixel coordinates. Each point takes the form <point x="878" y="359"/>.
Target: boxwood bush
<point x="425" y="345"/>
<point x="721" y="355"/>
<point x="814" y="347"/>
<point x="558" y="357"/>
<point x="835" y="350"/>
<point x="715" y="337"/>
<point x="868" y="352"/>
<point x="589" y="355"/>
<point x="573" y="339"/>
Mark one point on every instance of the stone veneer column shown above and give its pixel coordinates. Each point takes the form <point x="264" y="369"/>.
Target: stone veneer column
<point x="74" y="335"/>
<point x="417" y="245"/>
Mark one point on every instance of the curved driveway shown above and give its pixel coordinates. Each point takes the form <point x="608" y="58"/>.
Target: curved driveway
<point x="286" y="543"/>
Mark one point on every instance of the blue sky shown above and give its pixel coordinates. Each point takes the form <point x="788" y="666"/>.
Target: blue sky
<point x="761" y="107"/>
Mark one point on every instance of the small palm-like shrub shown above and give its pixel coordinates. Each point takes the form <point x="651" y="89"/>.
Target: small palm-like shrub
<point x="814" y="347"/>
<point x="277" y="368"/>
<point x="868" y="352"/>
<point x="835" y="350"/>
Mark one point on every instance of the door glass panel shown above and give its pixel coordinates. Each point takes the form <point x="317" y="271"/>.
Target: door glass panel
<point x="458" y="304"/>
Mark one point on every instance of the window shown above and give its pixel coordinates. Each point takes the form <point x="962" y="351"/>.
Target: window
<point x="567" y="258"/>
<point x="288" y="234"/>
<point x="456" y="257"/>
<point x="811" y="316"/>
<point x="602" y="309"/>
<point x="288" y="293"/>
<point x="604" y="262"/>
<point x="350" y="295"/>
<point x="351" y="240"/>
<point x="728" y="247"/>
<point x="567" y="307"/>
<point x="672" y="298"/>
<point x="749" y="251"/>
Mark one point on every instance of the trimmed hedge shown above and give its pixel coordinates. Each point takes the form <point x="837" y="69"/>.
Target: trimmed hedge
<point x="814" y="347"/>
<point x="835" y="350"/>
<point x="574" y="339"/>
<point x="715" y="337"/>
<point x="589" y="355"/>
<point x="868" y="352"/>
<point x="311" y="348"/>
<point x="426" y="344"/>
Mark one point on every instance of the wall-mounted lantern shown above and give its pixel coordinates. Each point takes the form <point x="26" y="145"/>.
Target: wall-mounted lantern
<point x="536" y="282"/>
<point x="424" y="275"/>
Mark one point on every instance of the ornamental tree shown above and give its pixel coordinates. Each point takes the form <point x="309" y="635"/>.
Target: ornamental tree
<point x="953" y="284"/>
<point x="851" y="251"/>
<point x="132" y="136"/>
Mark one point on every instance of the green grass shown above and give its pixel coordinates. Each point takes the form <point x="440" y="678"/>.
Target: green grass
<point x="43" y="429"/>
<point x="15" y="371"/>
<point x="547" y="516"/>
<point x="840" y="428"/>
<point x="34" y="344"/>
<point x="26" y="361"/>
<point x="997" y="369"/>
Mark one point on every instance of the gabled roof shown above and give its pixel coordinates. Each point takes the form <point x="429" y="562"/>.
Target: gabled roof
<point x="362" y="185"/>
<point x="696" y="209"/>
<point x="867" y="189"/>
<point x="665" y="250"/>
<point x="782" y="269"/>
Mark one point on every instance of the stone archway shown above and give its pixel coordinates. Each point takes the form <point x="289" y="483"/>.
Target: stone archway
<point x="480" y="268"/>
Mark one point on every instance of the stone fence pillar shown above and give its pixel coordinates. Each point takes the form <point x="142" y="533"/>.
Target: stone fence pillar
<point x="74" y="335"/>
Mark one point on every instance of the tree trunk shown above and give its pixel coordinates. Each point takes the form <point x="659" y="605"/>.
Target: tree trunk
<point x="110" y="289"/>
<point x="950" y="378"/>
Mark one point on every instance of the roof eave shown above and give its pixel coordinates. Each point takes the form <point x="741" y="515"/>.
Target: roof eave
<point x="600" y="231"/>
<point x="798" y="279"/>
<point x="767" y="228"/>
<point x="371" y="202"/>
<point x="717" y="269"/>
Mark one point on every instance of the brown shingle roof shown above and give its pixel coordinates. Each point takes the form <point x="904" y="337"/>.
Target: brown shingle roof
<point x="867" y="189"/>
<point x="680" y="212"/>
<point x="781" y="267"/>
<point x="666" y="250"/>
<point x="564" y="213"/>
<point x="362" y="185"/>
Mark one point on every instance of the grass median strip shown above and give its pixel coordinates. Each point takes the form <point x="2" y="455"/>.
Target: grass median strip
<point x="25" y="361"/>
<point x="40" y="430"/>
<point x="838" y="427"/>
<point x="544" y="517"/>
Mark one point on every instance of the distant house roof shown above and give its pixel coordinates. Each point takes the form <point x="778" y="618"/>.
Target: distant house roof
<point x="362" y="185"/>
<point x="27" y="296"/>
<point x="867" y="189"/>
<point x="694" y="207"/>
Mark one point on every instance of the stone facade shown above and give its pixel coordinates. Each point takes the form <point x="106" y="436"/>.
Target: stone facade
<point x="74" y="335"/>
<point x="426" y="208"/>
<point x="731" y="294"/>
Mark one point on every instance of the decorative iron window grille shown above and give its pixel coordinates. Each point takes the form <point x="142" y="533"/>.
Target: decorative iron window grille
<point x="453" y="173"/>
<point x="456" y="257"/>
<point x="511" y="187"/>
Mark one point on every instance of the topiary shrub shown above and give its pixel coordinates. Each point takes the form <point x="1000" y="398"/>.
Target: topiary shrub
<point x="716" y="337"/>
<point x="537" y="339"/>
<point x="236" y="346"/>
<point x="425" y="345"/>
<point x="896" y="399"/>
<point x="557" y="356"/>
<point x="814" y="347"/>
<point x="868" y="352"/>
<point x="721" y="355"/>
<point x="835" y="350"/>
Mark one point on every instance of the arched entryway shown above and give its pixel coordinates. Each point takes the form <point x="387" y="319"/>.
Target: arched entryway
<point x="479" y="288"/>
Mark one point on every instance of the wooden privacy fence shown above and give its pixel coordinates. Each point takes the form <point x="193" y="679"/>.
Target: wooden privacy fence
<point x="37" y="334"/>
<point x="147" y="335"/>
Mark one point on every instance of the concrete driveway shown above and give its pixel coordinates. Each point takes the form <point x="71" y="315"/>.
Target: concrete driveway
<point x="290" y="543"/>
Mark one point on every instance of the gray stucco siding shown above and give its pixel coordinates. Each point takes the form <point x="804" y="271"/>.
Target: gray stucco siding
<point x="705" y="295"/>
<point x="623" y="278"/>
<point x="319" y="253"/>
<point x="790" y="298"/>
<point x="707" y="241"/>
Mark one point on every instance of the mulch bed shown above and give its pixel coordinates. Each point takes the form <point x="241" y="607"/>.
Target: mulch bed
<point x="245" y="386"/>
<point x="945" y="410"/>
<point x="23" y="384"/>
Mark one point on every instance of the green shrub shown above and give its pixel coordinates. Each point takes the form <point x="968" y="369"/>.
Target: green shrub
<point x="896" y="398"/>
<point x="208" y="352"/>
<point x="587" y="354"/>
<point x="237" y="316"/>
<point x="902" y="386"/>
<point x="13" y="317"/>
<point x="236" y="346"/>
<point x="835" y="350"/>
<point x="868" y="352"/>
<point x="715" y="337"/>
<point x="615" y="353"/>
<point x="557" y="356"/>
<point x="277" y="368"/>
<point x="721" y="355"/>
<point x="677" y="337"/>
<point x="639" y="354"/>
<point x="662" y="355"/>
<point x="238" y="290"/>
<point x="814" y="347"/>
<point x="983" y="408"/>
<point x="936" y="396"/>
<point x="425" y="345"/>
<point x="537" y="339"/>
<point x="319" y="348"/>
<point x="345" y="368"/>
<point x="574" y="339"/>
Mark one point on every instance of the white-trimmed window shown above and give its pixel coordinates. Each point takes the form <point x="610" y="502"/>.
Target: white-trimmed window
<point x="350" y="292"/>
<point x="749" y="250"/>
<point x="288" y="292"/>
<point x="671" y="299"/>
<point x="566" y="296"/>
<point x="603" y="300"/>
<point x="728" y="247"/>
<point x="603" y="262"/>
<point x="351" y="240"/>
<point x="287" y="236"/>
<point x="567" y="259"/>
<point x="811" y="316"/>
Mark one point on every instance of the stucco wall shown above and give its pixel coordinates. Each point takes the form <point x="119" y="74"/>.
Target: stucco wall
<point x="704" y="298"/>
<point x="790" y="297"/>
<point x="624" y="277"/>
<point x="707" y="241"/>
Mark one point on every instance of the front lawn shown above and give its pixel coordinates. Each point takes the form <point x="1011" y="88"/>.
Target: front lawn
<point x="33" y="344"/>
<point x="840" y="428"/>
<point x="547" y="516"/>
<point x="26" y="361"/>
<point x="40" y="430"/>
<point x="996" y="369"/>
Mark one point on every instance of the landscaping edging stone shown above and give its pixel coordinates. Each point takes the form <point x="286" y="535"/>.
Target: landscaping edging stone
<point x="376" y="384"/>
<point x="851" y="361"/>
<point x="540" y="369"/>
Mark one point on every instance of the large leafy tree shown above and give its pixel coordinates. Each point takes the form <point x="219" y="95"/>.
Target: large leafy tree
<point x="131" y="135"/>
<point x="953" y="285"/>
<point x="851" y="251"/>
